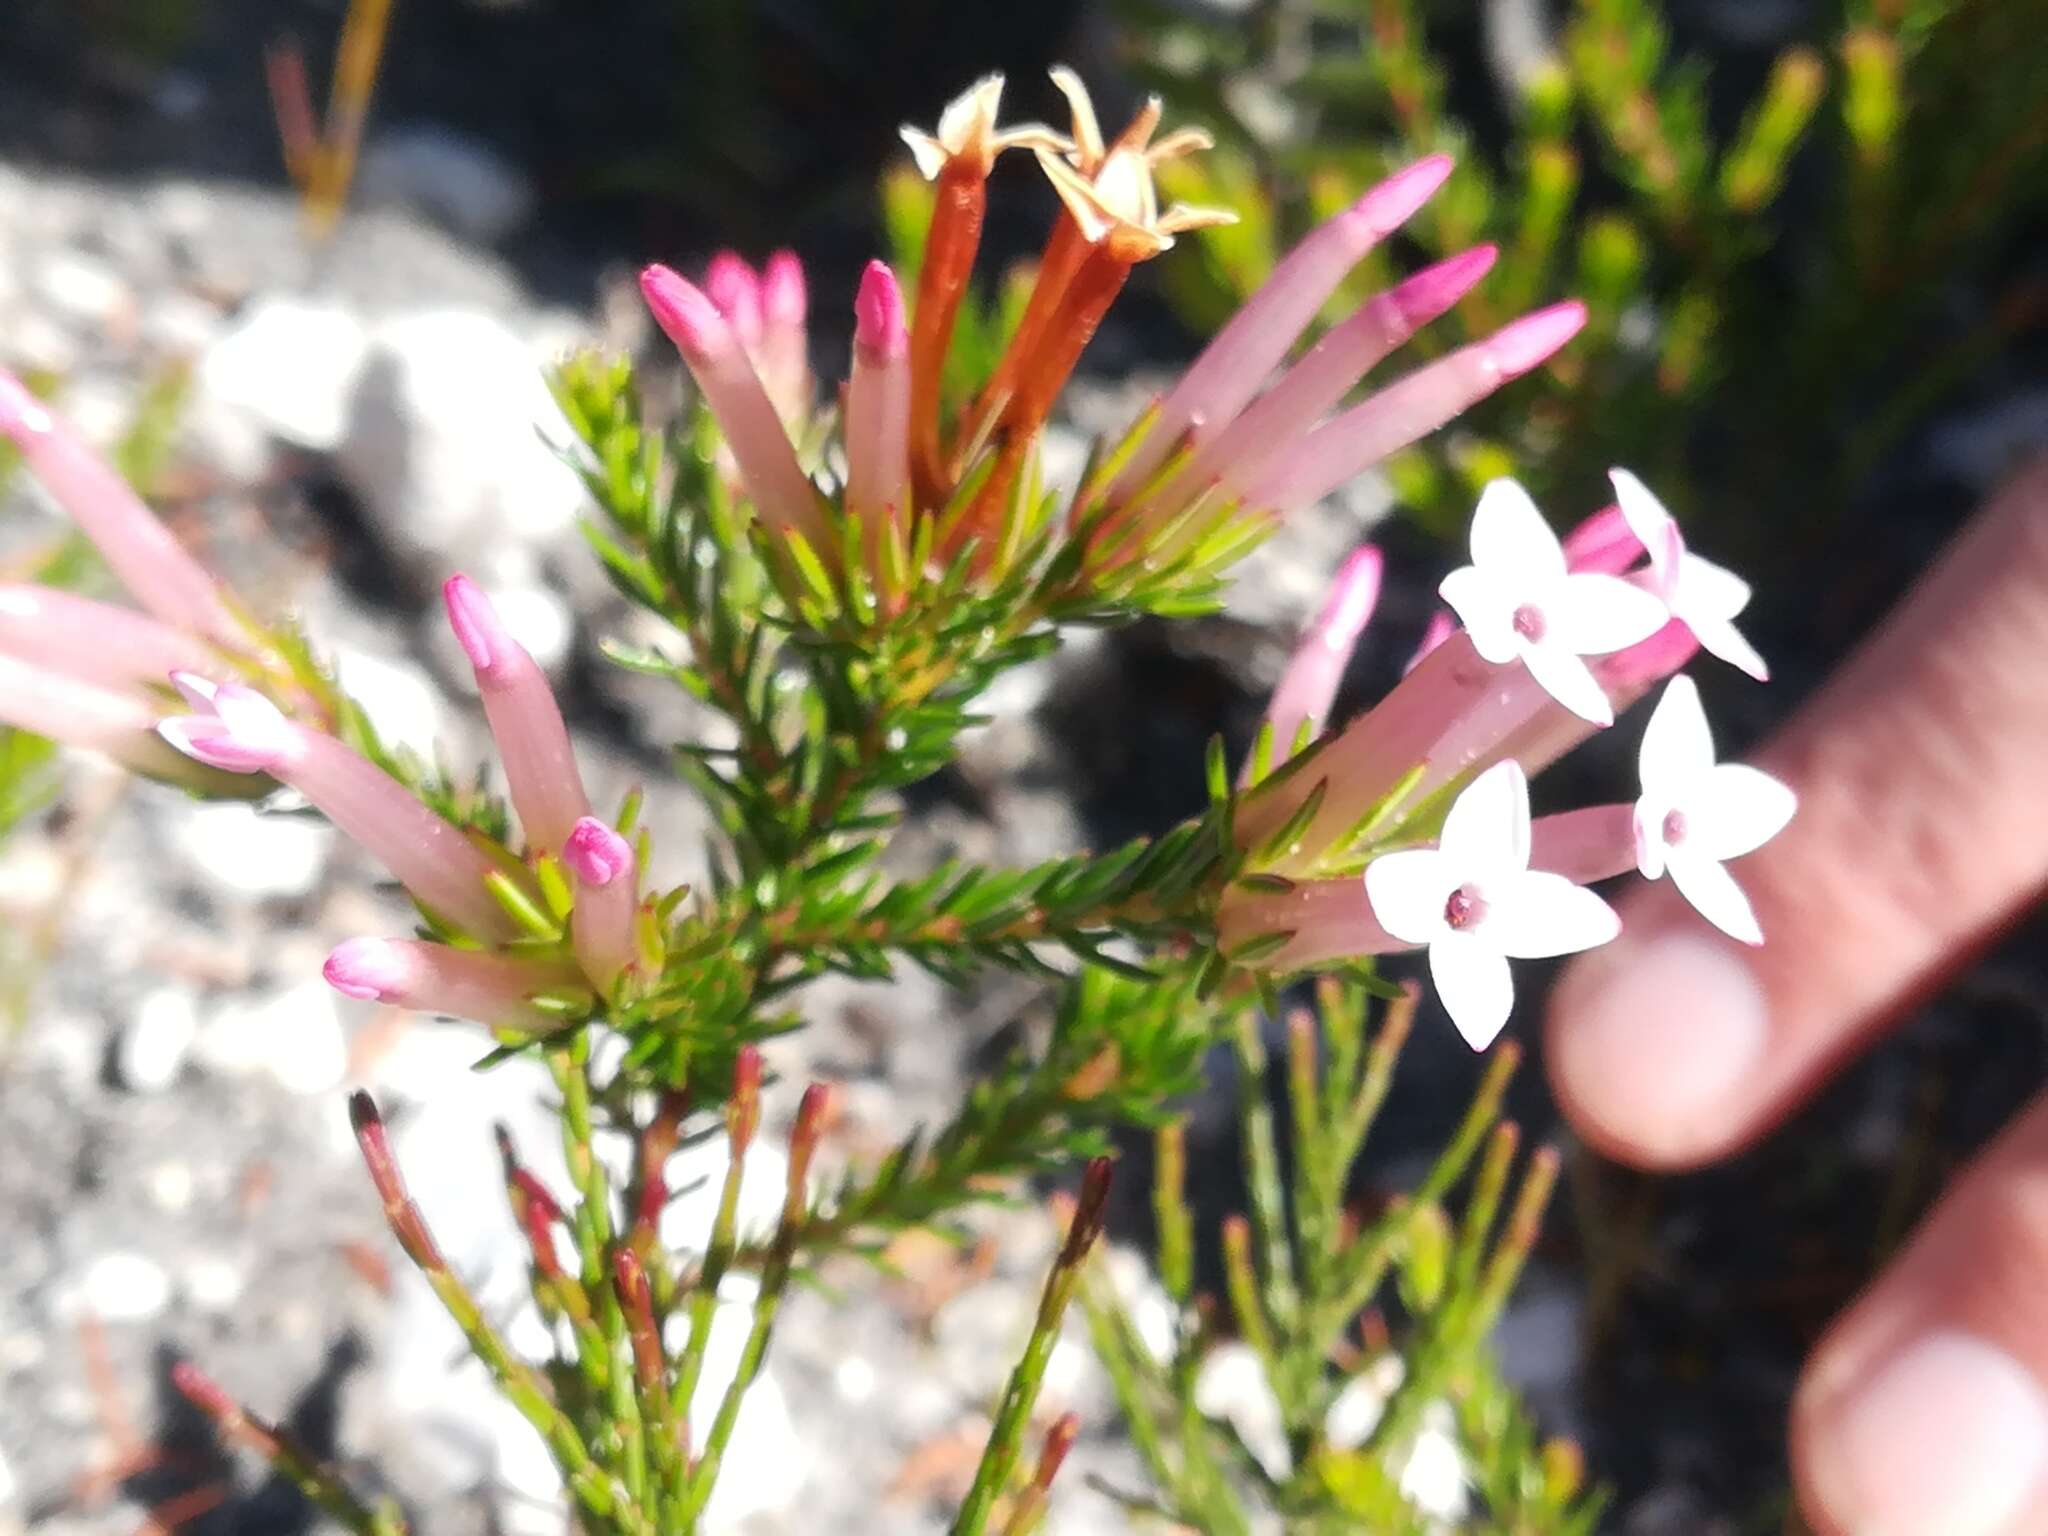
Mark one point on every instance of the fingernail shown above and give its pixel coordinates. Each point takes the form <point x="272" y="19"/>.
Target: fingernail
<point x="1654" y="1039"/>
<point x="1950" y="1434"/>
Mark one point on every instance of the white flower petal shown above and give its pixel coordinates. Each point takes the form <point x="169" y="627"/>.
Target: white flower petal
<point x="1487" y="610"/>
<point x="1486" y="829"/>
<point x="1473" y="983"/>
<point x="1655" y="529"/>
<point x="1539" y="914"/>
<point x="1718" y="637"/>
<point x="1408" y="890"/>
<point x="1710" y="590"/>
<point x="1648" y="824"/>
<point x="1678" y="749"/>
<point x="1736" y="810"/>
<point x="1510" y="539"/>
<point x="1568" y="680"/>
<point x="1714" y="895"/>
<point x="1594" y="615"/>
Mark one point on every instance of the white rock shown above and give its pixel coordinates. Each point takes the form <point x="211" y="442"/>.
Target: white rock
<point x="400" y="699"/>
<point x="308" y="1051"/>
<point x="153" y="1047"/>
<point x="286" y="371"/>
<point x="459" y="182"/>
<point x="698" y="1172"/>
<point x="447" y="443"/>
<point x="212" y="1284"/>
<point x="252" y="854"/>
<point x="124" y="1287"/>
<point x="7" y="1484"/>
<point x="854" y="1379"/>
<point x="295" y="1036"/>
<point x="82" y="289"/>
<point x="171" y="1184"/>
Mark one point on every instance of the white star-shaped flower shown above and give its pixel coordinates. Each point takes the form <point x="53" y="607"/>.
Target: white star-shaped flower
<point x="1519" y="603"/>
<point x="1696" y="812"/>
<point x="1703" y="596"/>
<point x="1476" y="904"/>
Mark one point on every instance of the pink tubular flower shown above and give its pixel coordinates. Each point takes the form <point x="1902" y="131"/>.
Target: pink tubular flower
<point x="878" y="406"/>
<point x="731" y="284"/>
<point x="236" y="729"/>
<point x="785" y="356"/>
<point x="601" y="926"/>
<point x="526" y="723"/>
<point x="95" y="642"/>
<point x="1309" y="685"/>
<point x="80" y="714"/>
<point x="760" y="445"/>
<point x="140" y="550"/>
<point x="1231" y="369"/>
<point x="1475" y="903"/>
<point x="1278" y="419"/>
<point x="496" y="990"/>
<point x="1411" y="408"/>
<point x="1324" y="920"/>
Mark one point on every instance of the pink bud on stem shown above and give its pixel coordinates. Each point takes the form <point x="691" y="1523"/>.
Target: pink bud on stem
<point x="760" y="445"/>
<point x="601" y="925"/>
<point x="238" y="730"/>
<point x="526" y="722"/>
<point x="149" y="562"/>
<point x="878" y="409"/>
<point x="743" y="1109"/>
<point x="406" y="1222"/>
<point x="492" y="989"/>
<point x="1309" y="685"/>
<point x="785" y="340"/>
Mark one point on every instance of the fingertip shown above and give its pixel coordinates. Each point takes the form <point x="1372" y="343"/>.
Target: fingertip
<point x="1654" y="1042"/>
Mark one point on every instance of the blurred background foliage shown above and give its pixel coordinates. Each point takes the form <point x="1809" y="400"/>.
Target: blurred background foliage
<point x="1782" y="261"/>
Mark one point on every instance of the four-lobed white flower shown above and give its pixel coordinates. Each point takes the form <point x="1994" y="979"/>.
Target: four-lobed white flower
<point x="1519" y="603"/>
<point x="1703" y="596"/>
<point x="1695" y="813"/>
<point x="1476" y="904"/>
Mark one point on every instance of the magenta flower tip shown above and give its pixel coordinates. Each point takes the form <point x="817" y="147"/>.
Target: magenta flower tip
<point x="685" y="315"/>
<point x="21" y="413"/>
<point x="478" y="630"/>
<point x="1390" y="204"/>
<point x="595" y="854"/>
<point x="369" y="970"/>
<point x="731" y="284"/>
<point x="1530" y="341"/>
<point x="878" y="312"/>
<point x="784" y="294"/>
<point x="1435" y="289"/>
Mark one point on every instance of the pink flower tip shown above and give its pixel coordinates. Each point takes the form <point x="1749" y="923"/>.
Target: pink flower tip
<point x="732" y="285"/>
<point x="234" y="728"/>
<point x="1435" y="289"/>
<point x="784" y="295"/>
<point x="685" y="315"/>
<point x="595" y="854"/>
<point x="370" y="970"/>
<point x="1390" y="204"/>
<point x="1353" y="595"/>
<point x="878" y="312"/>
<point x="478" y="629"/>
<point x="21" y="413"/>
<point x="1530" y="341"/>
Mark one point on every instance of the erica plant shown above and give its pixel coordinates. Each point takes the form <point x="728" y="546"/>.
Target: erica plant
<point x="841" y="581"/>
